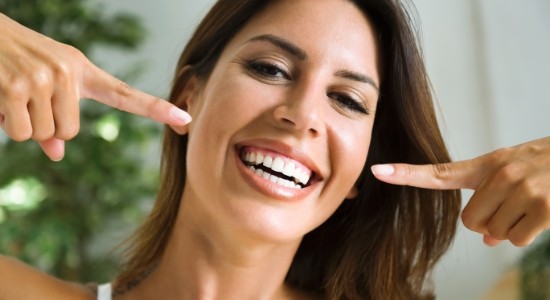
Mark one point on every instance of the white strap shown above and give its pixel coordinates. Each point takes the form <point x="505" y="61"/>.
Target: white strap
<point x="104" y="292"/>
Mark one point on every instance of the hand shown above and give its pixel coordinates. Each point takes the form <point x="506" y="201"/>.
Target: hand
<point x="41" y="82"/>
<point x="512" y="189"/>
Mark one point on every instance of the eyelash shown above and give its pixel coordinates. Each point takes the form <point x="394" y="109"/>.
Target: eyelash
<point x="348" y="102"/>
<point x="267" y="70"/>
<point x="264" y="70"/>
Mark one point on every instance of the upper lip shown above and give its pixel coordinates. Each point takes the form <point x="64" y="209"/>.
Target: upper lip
<point x="294" y="153"/>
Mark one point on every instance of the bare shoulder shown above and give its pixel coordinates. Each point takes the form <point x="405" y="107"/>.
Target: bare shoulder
<point x="20" y="281"/>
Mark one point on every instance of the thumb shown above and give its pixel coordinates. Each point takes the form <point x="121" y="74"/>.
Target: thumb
<point x="53" y="148"/>
<point x="458" y="175"/>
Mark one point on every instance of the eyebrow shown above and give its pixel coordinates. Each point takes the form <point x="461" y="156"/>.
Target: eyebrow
<point x="283" y="44"/>
<point x="301" y="55"/>
<point x="357" y="77"/>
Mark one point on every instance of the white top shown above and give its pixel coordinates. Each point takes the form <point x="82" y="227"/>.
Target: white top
<point x="104" y="292"/>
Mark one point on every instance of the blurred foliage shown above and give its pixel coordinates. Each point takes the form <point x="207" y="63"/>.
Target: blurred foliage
<point x="535" y="271"/>
<point x="52" y="214"/>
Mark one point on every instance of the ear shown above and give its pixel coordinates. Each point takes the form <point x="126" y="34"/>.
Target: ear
<point x="352" y="194"/>
<point x="186" y="98"/>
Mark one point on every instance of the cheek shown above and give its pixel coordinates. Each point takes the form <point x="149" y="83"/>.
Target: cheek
<point x="233" y="102"/>
<point x="350" y="154"/>
<point x="228" y="104"/>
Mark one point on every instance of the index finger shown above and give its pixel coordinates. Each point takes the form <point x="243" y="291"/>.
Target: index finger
<point x="102" y="87"/>
<point x="466" y="174"/>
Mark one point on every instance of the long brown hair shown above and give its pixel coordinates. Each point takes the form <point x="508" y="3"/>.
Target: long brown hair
<point x="383" y="244"/>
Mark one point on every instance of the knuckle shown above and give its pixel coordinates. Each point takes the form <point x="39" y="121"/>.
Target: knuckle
<point x="74" y="53"/>
<point x="17" y="89"/>
<point x="508" y="174"/>
<point x="61" y="71"/>
<point x="441" y="171"/>
<point x="123" y="89"/>
<point x="469" y="220"/>
<point x="42" y="79"/>
<point x="541" y="207"/>
<point x="529" y="188"/>
<point x="518" y="240"/>
<point x="19" y="135"/>
<point x="43" y="134"/>
<point x="67" y="132"/>
<point x="496" y="232"/>
<point x="533" y="149"/>
<point x="502" y="154"/>
<point x="153" y="105"/>
<point x="408" y="172"/>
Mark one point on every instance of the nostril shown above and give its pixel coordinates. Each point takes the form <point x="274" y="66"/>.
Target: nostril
<point x="288" y="121"/>
<point x="297" y="118"/>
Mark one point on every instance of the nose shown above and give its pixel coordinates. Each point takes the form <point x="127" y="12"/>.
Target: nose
<point x="301" y="111"/>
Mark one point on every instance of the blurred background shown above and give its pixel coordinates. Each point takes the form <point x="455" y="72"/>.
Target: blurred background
<point x="488" y="61"/>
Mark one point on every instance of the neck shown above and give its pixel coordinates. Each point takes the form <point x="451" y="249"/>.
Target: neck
<point x="206" y="261"/>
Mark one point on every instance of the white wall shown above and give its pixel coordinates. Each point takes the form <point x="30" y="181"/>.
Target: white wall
<point x="489" y="66"/>
<point x="170" y="24"/>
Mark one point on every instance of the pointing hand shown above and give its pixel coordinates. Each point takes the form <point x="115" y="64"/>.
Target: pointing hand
<point x="512" y="189"/>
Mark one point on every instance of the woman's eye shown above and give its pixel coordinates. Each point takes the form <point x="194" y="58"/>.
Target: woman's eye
<point x="346" y="102"/>
<point x="267" y="70"/>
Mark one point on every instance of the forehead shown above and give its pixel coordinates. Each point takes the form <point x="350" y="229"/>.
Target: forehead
<point x="326" y="29"/>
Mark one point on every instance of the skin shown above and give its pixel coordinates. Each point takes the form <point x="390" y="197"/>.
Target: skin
<point x="512" y="195"/>
<point x="40" y="90"/>
<point x="40" y="102"/>
<point x="232" y="237"/>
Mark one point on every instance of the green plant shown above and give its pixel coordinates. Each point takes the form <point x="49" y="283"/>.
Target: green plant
<point x="535" y="271"/>
<point x="53" y="214"/>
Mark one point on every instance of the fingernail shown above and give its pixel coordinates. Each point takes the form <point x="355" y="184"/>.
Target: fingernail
<point x="180" y="115"/>
<point x="57" y="159"/>
<point x="383" y="170"/>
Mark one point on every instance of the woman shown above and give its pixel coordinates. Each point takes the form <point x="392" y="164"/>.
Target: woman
<point x="291" y="101"/>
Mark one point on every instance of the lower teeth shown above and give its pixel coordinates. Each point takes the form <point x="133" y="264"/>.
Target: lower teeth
<point x="274" y="179"/>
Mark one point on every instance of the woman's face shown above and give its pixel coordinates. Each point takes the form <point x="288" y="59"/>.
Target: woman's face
<point x="281" y="129"/>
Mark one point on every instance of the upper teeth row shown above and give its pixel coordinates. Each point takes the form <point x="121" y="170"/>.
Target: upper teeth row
<point x="277" y="164"/>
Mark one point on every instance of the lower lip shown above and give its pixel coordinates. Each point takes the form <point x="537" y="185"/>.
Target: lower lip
<point x="270" y="188"/>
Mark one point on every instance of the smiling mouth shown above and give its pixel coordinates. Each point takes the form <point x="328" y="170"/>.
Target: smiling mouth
<point x="277" y="169"/>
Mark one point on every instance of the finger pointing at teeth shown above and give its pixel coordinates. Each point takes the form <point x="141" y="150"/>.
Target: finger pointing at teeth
<point x="43" y="81"/>
<point x="512" y="191"/>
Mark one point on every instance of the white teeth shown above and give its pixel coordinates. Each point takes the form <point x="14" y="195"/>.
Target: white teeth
<point x="298" y="175"/>
<point x="278" y="165"/>
<point x="273" y="178"/>
<point x="259" y="158"/>
<point x="289" y="169"/>
<point x="252" y="157"/>
<point x="304" y="178"/>
<point x="268" y="161"/>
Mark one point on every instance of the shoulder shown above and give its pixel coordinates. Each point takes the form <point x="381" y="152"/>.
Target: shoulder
<point x="19" y="281"/>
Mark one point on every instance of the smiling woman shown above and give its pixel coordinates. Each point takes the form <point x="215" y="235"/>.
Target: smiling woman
<point x="299" y="111"/>
<point x="268" y="193"/>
